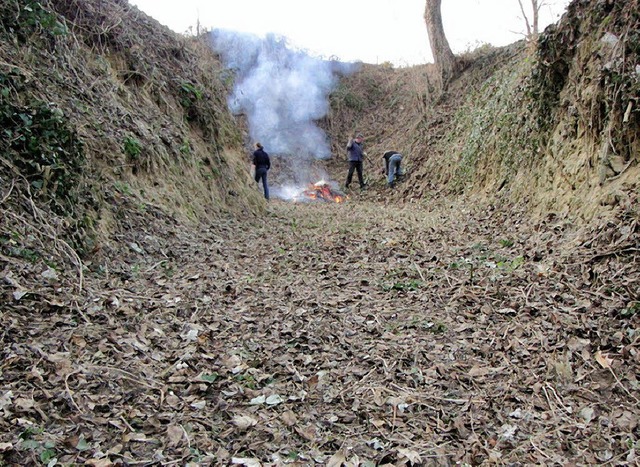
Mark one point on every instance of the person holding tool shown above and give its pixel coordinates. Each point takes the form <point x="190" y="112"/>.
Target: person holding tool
<point x="355" y="156"/>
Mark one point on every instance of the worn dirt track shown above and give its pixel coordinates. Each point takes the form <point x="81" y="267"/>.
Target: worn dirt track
<point x="326" y="334"/>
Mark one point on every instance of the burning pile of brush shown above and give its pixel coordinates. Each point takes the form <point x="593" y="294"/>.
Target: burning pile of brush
<point x="322" y="191"/>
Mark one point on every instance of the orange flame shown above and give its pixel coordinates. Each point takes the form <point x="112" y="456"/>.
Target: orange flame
<point x="322" y="191"/>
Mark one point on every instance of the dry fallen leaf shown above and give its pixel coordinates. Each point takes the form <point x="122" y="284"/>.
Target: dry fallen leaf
<point x="308" y="432"/>
<point x="23" y="405"/>
<point x="312" y="382"/>
<point x="477" y="371"/>
<point x="244" y="421"/>
<point x="587" y="414"/>
<point x="258" y="400"/>
<point x="175" y="434"/>
<point x="337" y="459"/>
<point x="18" y="294"/>
<point x="378" y="423"/>
<point x="99" y="462"/>
<point x="199" y="405"/>
<point x="274" y="399"/>
<point x="289" y="418"/>
<point x="603" y="359"/>
<point x="410" y="455"/>
<point x="246" y="461"/>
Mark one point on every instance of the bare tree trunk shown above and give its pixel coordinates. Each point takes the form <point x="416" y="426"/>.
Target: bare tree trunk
<point x="443" y="56"/>
<point x="536" y="13"/>
<point x="532" y="27"/>
<point x="526" y="18"/>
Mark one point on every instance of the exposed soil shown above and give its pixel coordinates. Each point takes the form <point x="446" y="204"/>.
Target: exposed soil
<point x="361" y="333"/>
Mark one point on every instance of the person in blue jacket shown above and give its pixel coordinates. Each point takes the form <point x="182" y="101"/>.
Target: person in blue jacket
<point x="262" y="164"/>
<point x="355" y="155"/>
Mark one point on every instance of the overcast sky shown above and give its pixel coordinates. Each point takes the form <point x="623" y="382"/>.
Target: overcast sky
<point x="372" y="31"/>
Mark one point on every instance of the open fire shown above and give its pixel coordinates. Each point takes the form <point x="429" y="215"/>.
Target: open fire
<point x="322" y="191"/>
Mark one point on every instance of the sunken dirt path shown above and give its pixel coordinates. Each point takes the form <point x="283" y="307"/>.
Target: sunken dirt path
<point x="354" y="334"/>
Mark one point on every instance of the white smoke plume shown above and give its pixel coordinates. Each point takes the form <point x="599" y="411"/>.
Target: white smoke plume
<point x="281" y="91"/>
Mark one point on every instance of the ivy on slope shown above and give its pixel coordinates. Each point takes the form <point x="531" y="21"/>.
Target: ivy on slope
<point x="41" y="146"/>
<point x="499" y="136"/>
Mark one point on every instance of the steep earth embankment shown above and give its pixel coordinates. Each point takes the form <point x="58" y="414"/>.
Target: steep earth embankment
<point x="99" y="103"/>
<point x="108" y="119"/>
<point x="556" y="128"/>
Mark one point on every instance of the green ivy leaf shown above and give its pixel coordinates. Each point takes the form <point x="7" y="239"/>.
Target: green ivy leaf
<point x="47" y="455"/>
<point x="209" y="378"/>
<point x="82" y="444"/>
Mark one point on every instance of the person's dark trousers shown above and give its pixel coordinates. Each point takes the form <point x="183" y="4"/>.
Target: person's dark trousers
<point x="261" y="174"/>
<point x="357" y="166"/>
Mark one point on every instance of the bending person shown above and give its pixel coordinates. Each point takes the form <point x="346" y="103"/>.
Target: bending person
<point x="392" y="160"/>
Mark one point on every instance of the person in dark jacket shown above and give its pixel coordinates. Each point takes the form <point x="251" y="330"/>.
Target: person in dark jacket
<point x="355" y="155"/>
<point x="392" y="160"/>
<point x="262" y="164"/>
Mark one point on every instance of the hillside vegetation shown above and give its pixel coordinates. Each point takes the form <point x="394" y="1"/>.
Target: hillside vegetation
<point x="556" y="128"/>
<point x="102" y="106"/>
<point x="156" y="310"/>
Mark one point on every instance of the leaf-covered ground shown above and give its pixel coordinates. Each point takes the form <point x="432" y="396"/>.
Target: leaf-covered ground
<point x="322" y="334"/>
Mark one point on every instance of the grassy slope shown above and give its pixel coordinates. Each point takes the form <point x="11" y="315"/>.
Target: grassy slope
<point x="146" y="107"/>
